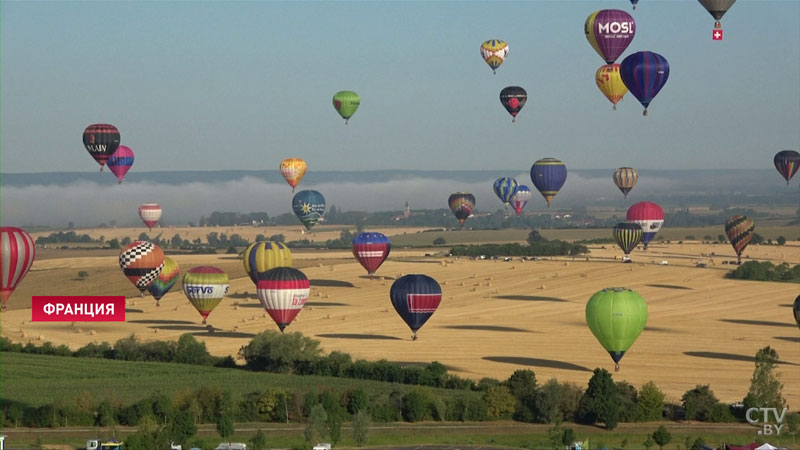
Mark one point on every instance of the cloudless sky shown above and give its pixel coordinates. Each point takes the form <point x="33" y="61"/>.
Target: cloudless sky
<point x="242" y="85"/>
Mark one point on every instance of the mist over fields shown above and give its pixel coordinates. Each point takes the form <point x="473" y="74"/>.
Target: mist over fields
<point x="92" y="198"/>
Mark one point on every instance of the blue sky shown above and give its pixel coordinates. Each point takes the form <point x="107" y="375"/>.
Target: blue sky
<point x="242" y="85"/>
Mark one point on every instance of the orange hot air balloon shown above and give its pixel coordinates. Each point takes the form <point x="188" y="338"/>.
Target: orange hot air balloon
<point x="610" y="83"/>
<point x="141" y="262"/>
<point x="293" y="170"/>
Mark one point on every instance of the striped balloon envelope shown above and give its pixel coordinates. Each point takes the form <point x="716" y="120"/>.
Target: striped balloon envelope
<point x="150" y="213"/>
<point x="787" y="162"/>
<point x="101" y="141"/>
<point x="283" y="291"/>
<point x="644" y="74"/>
<point x="165" y="280"/>
<point x="18" y="252"/>
<point x="520" y="198"/>
<point x="628" y="236"/>
<point x="625" y="178"/>
<point x="494" y="52"/>
<point x="549" y="176"/>
<point x="371" y="250"/>
<point x="293" y="170"/>
<point x="649" y="216"/>
<point x="141" y="262"/>
<point x="262" y="256"/>
<point x="415" y="298"/>
<point x="739" y="230"/>
<point x="120" y="162"/>
<point x="505" y="188"/>
<point x="205" y="287"/>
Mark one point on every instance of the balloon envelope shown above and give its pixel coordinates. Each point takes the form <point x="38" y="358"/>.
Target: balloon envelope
<point x="205" y="287"/>
<point x="627" y="235"/>
<point x="262" y="256"/>
<point x="415" y="298"/>
<point x="616" y="317"/>
<point x="717" y="8"/>
<point x="283" y="291"/>
<point x="520" y="198"/>
<point x="649" y="216"/>
<point x="293" y="170"/>
<point x="739" y="230"/>
<point x="796" y="310"/>
<point x="165" y="280"/>
<point x="141" y="262"/>
<point x="549" y="176"/>
<point x="610" y="83"/>
<point x="513" y="99"/>
<point x="17" y="252"/>
<point x="462" y="204"/>
<point x="150" y="213"/>
<point x="609" y="31"/>
<point x="494" y="52"/>
<point x="505" y="188"/>
<point x="101" y="141"/>
<point x="371" y="250"/>
<point x="787" y="163"/>
<point x="308" y="206"/>
<point x="625" y="178"/>
<point x="120" y="162"/>
<point x="346" y="104"/>
<point x="644" y="74"/>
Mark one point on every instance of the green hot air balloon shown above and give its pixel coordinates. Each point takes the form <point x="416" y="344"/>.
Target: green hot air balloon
<point x="616" y="317"/>
<point x="346" y="104"/>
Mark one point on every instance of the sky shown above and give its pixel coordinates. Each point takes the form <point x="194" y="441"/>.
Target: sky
<point x="242" y="85"/>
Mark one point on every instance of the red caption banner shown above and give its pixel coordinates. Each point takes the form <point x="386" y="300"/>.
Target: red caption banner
<point x="78" y="308"/>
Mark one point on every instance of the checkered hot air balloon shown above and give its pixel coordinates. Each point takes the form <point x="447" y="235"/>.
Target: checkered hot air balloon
<point x="141" y="262"/>
<point x="205" y="287"/>
<point x="283" y="291"/>
<point x="371" y="250"/>
<point x="150" y="213"/>
<point x="101" y="141"/>
<point x="415" y="298"/>
<point x="18" y="252"/>
<point x="739" y="230"/>
<point x="262" y="256"/>
<point x="165" y="280"/>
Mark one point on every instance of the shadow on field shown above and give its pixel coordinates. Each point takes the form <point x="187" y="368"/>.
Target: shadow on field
<point x="235" y="258"/>
<point x="788" y="338"/>
<point x="315" y="304"/>
<point x="730" y="357"/>
<point x="530" y="298"/>
<point x="225" y="334"/>
<point x="536" y="362"/>
<point x="423" y="365"/>
<point x="758" y="322"/>
<point x="131" y="310"/>
<point x="359" y="336"/>
<point x="179" y="327"/>
<point x="417" y="261"/>
<point x="669" y="286"/>
<point x="243" y="296"/>
<point x="331" y="283"/>
<point x="787" y="305"/>
<point x="659" y="330"/>
<point x="161" y="322"/>
<point x="486" y="328"/>
<point x="376" y="277"/>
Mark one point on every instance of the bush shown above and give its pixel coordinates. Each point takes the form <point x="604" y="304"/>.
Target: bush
<point x="276" y="352"/>
<point x="439" y="241"/>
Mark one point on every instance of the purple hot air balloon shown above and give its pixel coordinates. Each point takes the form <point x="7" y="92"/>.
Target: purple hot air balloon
<point x="120" y="162"/>
<point x="609" y="31"/>
<point x="644" y="74"/>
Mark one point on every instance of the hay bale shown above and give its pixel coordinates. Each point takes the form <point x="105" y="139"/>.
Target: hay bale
<point x="461" y="283"/>
<point x="40" y="338"/>
<point x="235" y="307"/>
<point x="175" y="308"/>
<point x="22" y="333"/>
<point x="473" y="289"/>
<point x="444" y="263"/>
<point x="79" y="330"/>
<point x="513" y="267"/>
<point x="566" y="263"/>
<point x="541" y="287"/>
<point x="327" y="316"/>
<point x="155" y="330"/>
<point x="444" y="283"/>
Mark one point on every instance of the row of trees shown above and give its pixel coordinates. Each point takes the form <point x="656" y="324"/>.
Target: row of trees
<point x="766" y="271"/>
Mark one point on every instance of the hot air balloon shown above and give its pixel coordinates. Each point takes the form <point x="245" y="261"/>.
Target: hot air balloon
<point x="634" y="2"/>
<point x="150" y="213"/>
<point x="371" y="250"/>
<point x="101" y="141"/>
<point x="787" y="163"/>
<point x="141" y="262"/>
<point x="520" y="198"/>
<point x="415" y="298"/>
<point x="18" y="252"/>
<point x="609" y="31"/>
<point x="649" y="216"/>
<point x="610" y="83"/>
<point x="120" y="162"/>
<point x="717" y="9"/>
<point x="505" y="188"/>
<point x="262" y="256"/>
<point x="625" y="178"/>
<point x="346" y="104"/>
<point x="628" y="235"/>
<point x="644" y="74"/>
<point x="739" y="230"/>
<point x="616" y="317"/>
<point x="796" y="310"/>
<point x="308" y="206"/>
<point x="165" y="280"/>
<point x="513" y="99"/>
<point x="293" y="170"/>
<point x="494" y="52"/>
<point x="548" y="175"/>
<point x="205" y="287"/>
<point x="462" y="204"/>
<point x="283" y="291"/>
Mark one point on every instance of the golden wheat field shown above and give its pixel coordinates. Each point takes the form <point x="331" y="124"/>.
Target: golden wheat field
<point x="495" y="317"/>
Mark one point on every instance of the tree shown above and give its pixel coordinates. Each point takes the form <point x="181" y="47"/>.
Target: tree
<point x="113" y="243"/>
<point x="225" y="427"/>
<point x="362" y="422"/>
<point x="765" y="387"/>
<point x="650" y="402"/>
<point x="523" y="387"/>
<point x="439" y="241"/>
<point x="548" y="402"/>
<point x="628" y="399"/>
<point x="567" y="437"/>
<point x="535" y="236"/>
<point x="415" y="407"/>
<point x="499" y="402"/>
<point x="649" y="443"/>
<point x="316" y="427"/>
<point x="181" y="427"/>
<point x="272" y="351"/>
<point x="781" y="240"/>
<point x="600" y="402"/>
<point x="258" y="441"/>
<point x="698" y="401"/>
<point x="662" y="436"/>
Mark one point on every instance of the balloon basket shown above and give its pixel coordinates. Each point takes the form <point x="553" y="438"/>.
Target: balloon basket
<point x="616" y="367"/>
<point x="414" y="336"/>
<point x="644" y="113"/>
<point x="614" y="108"/>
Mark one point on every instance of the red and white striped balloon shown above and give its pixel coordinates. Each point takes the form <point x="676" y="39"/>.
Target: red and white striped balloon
<point x="18" y="252"/>
<point x="150" y="213"/>
<point x="283" y="291"/>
